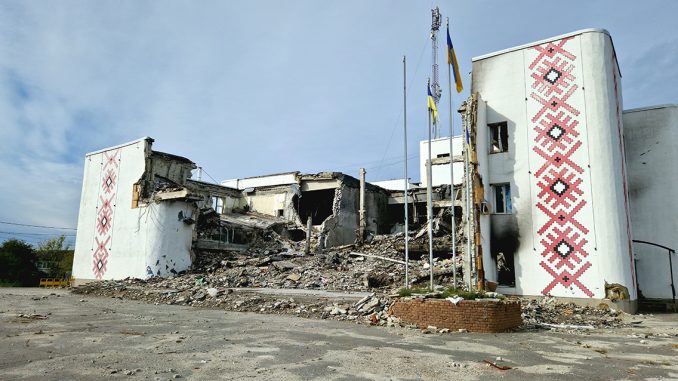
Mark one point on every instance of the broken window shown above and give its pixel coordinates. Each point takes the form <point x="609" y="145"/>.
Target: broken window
<point x="498" y="137"/>
<point x="502" y="198"/>
<point x="136" y="195"/>
<point x="506" y="271"/>
<point x="217" y="204"/>
<point x="315" y="204"/>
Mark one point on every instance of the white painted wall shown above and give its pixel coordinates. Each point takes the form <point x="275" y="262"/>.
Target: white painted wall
<point x="505" y="82"/>
<point x="397" y="185"/>
<point x="269" y="202"/>
<point x="441" y="172"/>
<point x="139" y="241"/>
<point x="649" y="136"/>
<point x="262" y="181"/>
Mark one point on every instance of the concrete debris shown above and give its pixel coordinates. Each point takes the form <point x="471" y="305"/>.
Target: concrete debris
<point x="33" y="316"/>
<point x="226" y="279"/>
<point x="549" y="313"/>
<point x="566" y="326"/>
<point x="183" y="291"/>
<point x="276" y="262"/>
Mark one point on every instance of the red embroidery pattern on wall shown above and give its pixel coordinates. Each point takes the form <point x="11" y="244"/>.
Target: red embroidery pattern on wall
<point x="109" y="176"/>
<point x="560" y="196"/>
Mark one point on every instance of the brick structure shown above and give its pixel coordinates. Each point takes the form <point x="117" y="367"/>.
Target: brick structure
<point x="473" y="315"/>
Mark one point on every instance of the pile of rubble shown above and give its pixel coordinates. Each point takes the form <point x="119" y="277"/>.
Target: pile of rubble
<point x="371" y="309"/>
<point x="549" y="313"/>
<point x="279" y="263"/>
<point x="227" y="280"/>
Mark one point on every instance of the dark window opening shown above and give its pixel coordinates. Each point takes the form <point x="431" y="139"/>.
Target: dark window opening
<point x="506" y="272"/>
<point x="295" y="235"/>
<point x="281" y="213"/>
<point x="443" y="155"/>
<point x="504" y="244"/>
<point x="396" y="217"/>
<point x="227" y="235"/>
<point x="498" y="137"/>
<point x="502" y="198"/>
<point x="316" y="204"/>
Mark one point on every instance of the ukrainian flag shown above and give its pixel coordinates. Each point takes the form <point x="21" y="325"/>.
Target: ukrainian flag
<point x="452" y="60"/>
<point x="432" y="105"/>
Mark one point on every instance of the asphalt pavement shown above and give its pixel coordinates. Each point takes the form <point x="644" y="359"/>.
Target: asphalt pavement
<point x="55" y="335"/>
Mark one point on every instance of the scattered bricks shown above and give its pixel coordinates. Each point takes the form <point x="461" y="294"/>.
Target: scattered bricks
<point x="471" y="315"/>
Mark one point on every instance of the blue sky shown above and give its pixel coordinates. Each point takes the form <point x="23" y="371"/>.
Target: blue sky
<point x="253" y="87"/>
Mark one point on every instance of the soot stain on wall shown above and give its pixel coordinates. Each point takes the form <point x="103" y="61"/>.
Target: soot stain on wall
<point x="504" y="242"/>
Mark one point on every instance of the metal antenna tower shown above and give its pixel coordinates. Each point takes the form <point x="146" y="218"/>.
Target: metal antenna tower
<point x="436" y="91"/>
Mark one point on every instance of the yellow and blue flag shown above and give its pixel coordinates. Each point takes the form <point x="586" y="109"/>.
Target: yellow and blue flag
<point x="452" y="60"/>
<point x="432" y="105"/>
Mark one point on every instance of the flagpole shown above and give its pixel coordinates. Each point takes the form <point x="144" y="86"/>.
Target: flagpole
<point x="452" y="198"/>
<point x="429" y="198"/>
<point x="469" y="203"/>
<point x="407" y="253"/>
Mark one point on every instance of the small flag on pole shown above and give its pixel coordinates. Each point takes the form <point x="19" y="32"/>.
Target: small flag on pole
<point x="452" y="60"/>
<point x="432" y="105"/>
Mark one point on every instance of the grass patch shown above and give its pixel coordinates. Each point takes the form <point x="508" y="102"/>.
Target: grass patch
<point x="413" y="291"/>
<point x="467" y="295"/>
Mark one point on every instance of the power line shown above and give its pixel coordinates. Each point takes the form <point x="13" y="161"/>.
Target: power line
<point x="208" y="175"/>
<point x="374" y="163"/>
<point x="36" y="226"/>
<point x="52" y="234"/>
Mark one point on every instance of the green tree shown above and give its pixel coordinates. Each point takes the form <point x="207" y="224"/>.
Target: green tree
<point x="56" y="255"/>
<point x="52" y="245"/>
<point x="17" y="264"/>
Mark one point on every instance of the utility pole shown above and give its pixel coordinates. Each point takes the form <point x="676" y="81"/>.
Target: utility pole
<point x="363" y="220"/>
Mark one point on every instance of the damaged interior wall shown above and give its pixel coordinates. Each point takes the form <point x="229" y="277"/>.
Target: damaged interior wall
<point x="330" y="199"/>
<point x="475" y="219"/>
<point x="277" y="200"/>
<point x="163" y="171"/>
<point x="341" y="227"/>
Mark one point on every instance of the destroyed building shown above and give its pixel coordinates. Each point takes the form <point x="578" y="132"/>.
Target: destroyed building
<point x="138" y="210"/>
<point x="331" y="200"/>
<point x="141" y="214"/>
<point x="560" y="182"/>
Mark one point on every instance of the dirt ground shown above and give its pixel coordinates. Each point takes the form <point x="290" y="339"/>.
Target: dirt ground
<point x="56" y="335"/>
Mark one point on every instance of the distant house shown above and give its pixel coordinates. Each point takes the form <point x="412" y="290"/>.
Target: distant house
<point x="55" y="264"/>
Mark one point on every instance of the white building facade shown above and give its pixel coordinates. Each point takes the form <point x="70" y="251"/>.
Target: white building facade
<point x="649" y="137"/>
<point x="560" y="101"/>
<point x="119" y="237"/>
<point x="550" y="153"/>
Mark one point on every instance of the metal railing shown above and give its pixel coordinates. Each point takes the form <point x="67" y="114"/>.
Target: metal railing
<point x="55" y="282"/>
<point x="670" y="251"/>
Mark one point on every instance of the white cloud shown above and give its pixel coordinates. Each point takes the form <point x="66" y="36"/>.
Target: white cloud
<point x="243" y="88"/>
